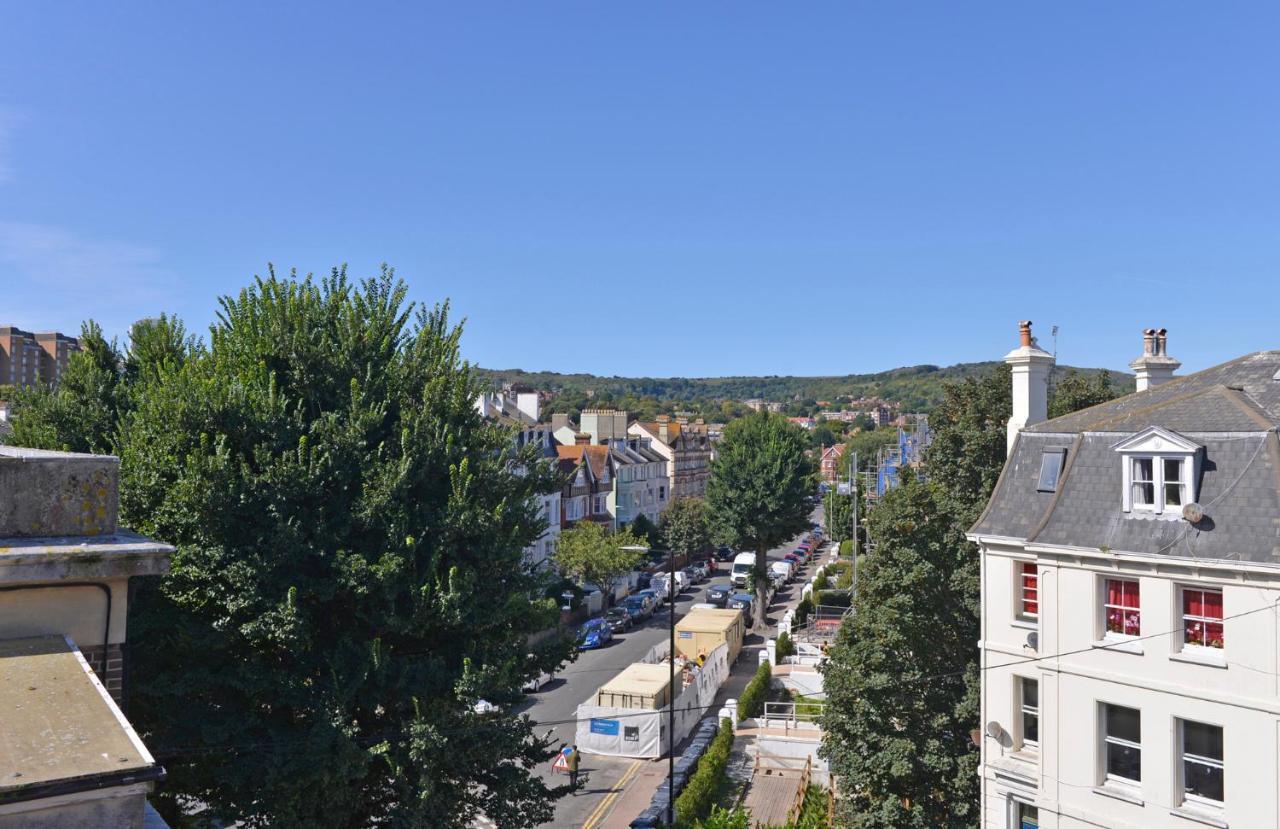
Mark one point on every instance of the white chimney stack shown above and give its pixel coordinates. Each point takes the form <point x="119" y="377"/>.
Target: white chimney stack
<point x="1155" y="366"/>
<point x="1031" y="366"/>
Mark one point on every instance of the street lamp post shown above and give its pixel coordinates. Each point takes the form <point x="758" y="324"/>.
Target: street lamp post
<point x="671" y="687"/>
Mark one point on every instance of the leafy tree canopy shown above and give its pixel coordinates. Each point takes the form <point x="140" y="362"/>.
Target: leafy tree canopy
<point x="760" y="482"/>
<point x="684" y="526"/>
<point x="590" y="554"/>
<point x="348" y="579"/>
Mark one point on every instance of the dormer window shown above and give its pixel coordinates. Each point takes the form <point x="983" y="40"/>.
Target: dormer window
<point x="1160" y="470"/>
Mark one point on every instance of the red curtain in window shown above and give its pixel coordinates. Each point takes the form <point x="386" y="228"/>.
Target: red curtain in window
<point x="1123" y="615"/>
<point x="1030" y="590"/>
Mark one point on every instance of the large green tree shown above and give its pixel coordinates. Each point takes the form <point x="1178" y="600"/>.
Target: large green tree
<point x="348" y="580"/>
<point x="902" y="679"/>
<point x="1075" y="390"/>
<point x="683" y="526"/>
<point x="837" y="511"/>
<point x="81" y="414"/>
<point x="760" y="481"/>
<point x="590" y="554"/>
<point x="903" y="675"/>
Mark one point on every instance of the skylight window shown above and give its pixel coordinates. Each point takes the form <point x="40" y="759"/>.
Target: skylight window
<point x="1051" y="461"/>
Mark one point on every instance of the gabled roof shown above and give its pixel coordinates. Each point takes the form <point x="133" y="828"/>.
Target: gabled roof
<point x="597" y="457"/>
<point x="1230" y="413"/>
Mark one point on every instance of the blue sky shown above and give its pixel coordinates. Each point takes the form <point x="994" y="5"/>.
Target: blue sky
<point x="661" y="189"/>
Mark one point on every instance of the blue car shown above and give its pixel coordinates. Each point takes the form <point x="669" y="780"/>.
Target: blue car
<point x="594" y="634"/>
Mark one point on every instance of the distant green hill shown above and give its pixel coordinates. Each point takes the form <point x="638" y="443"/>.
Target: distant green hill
<point x="917" y="388"/>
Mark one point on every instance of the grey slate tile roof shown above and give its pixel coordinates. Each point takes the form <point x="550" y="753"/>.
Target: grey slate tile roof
<point x="1232" y="410"/>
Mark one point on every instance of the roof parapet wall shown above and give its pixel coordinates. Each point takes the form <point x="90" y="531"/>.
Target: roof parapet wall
<point x="57" y="493"/>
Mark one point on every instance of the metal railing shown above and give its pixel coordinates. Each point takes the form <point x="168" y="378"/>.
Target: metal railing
<point x="790" y="715"/>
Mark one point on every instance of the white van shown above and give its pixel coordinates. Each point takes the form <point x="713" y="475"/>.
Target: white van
<point x="782" y="568"/>
<point x="742" y="566"/>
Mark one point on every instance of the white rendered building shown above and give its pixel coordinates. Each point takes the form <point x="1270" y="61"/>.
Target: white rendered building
<point x="1130" y="580"/>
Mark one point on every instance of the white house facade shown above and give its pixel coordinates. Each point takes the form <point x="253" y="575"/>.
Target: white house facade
<point x="1130" y="639"/>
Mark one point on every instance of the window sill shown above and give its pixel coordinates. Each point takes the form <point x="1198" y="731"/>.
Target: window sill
<point x="1121" y="645"/>
<point x="1119" y="792"/>
<point x="1200" y="816"/>
<point x="1025" y="624"/>
<point x="1211" y="658"/>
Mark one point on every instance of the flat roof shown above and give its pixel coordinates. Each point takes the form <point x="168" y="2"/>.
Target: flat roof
<point x="709" y="620"/>
<point x="639" y="678"/>
<point x="60" y="731"/>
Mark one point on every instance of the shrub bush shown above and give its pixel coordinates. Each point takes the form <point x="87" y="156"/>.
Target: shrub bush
<point x="704" y="784"/>
<point x="722" y="818"/>
<point x="845" y="580"/>
<point x="834" y="598"/>
<point x="804" y="609"/>
<point x="846" y="548"/>
<point x="751" y="703"/>
<point x="785" y="647"/>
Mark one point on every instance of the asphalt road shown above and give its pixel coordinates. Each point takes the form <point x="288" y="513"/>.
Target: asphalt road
<point x="557" y="703"/>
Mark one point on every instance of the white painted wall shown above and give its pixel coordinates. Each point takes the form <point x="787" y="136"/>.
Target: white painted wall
<point x="1063" y="777"/>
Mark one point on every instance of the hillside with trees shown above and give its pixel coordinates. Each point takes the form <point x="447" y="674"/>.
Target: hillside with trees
<point x="916" y="388"/>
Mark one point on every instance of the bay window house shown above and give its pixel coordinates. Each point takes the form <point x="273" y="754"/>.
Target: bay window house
<point x="1130" y="639"/>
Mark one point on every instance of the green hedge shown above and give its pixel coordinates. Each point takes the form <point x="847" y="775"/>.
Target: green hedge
<point x="703" y="788"/>
<point x="820" y="582"/>
<point x="785" y="647"/>
<point x="751" y="703"/>
<point x="803" y="610"/>
<point x="834" y="598"/>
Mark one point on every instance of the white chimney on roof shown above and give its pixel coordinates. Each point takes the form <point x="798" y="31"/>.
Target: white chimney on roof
<point x="1031" y="366"/>
<point x="1155" y="366"/>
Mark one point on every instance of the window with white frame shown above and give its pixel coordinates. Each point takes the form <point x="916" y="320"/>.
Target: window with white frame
<point x="1202" y="618"/>
<point x="1028" y="590"/>
<point x="1029" y="712"/>
<point x="1201" y="763"/>
<point x="573" y="508"/>
<point x="1121" y="744"/>
<point x="1122" y="612"/>
<point x="1160" y="470"/>
<point x="599" y="505"/>
<point x="1023" y="815"/>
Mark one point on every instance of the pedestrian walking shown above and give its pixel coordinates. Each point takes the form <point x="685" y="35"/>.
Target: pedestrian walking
<point x="573" y="770"/>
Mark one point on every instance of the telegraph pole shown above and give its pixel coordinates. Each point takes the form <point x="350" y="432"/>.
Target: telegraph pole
<point x="853" y="495"/>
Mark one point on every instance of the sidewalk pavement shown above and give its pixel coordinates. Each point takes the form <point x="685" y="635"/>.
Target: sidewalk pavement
<point x="638" y="789"/>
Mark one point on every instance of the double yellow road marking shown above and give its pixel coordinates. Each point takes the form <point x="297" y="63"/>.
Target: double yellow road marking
<point x="600" y="812"/>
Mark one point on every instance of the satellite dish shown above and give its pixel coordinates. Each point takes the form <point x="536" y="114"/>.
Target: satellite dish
<point x="994" y="730"/>
<point x="1193" y="512"/>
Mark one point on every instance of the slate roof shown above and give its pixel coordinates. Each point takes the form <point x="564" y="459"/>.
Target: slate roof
<point x="1193" y="402"/>
<point x="1232" y="410"/>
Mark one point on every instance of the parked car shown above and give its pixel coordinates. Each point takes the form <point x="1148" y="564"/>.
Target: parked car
<point x="643" y="580"/>
<point x="699" y="566"/>
<point x="694" y="574"/>
<point x="619" y="619"/>
<point x="742" y="565"/>
<point x="718" y="594"/>
<point x="795" y="558"/>
<point x="661" y="589"/>
<point x="777" y="580"/>
<point x="640" y="607"/>
<point x="594" y="634"/>
<point x="725" y="553"/>
<point x="702" y="606"/>
<point x="785" y="568"/>
<point x="532" y="686"/>
<point x="743" y="602"/>
<point x="683" y="581"/>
